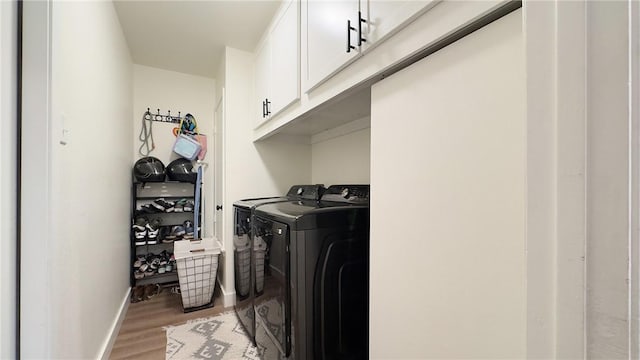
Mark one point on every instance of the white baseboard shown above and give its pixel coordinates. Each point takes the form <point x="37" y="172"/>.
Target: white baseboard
<point x="107" y="346"/>
<point x="228" y="297"/>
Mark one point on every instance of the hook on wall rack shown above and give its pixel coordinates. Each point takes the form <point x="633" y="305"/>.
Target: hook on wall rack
<point x="168" y="118"/>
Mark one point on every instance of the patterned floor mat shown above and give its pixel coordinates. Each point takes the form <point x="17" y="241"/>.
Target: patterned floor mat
<point x="218" y="337"/>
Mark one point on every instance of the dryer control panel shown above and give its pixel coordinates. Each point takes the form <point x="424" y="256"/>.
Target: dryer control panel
<point x="353" y="194"/>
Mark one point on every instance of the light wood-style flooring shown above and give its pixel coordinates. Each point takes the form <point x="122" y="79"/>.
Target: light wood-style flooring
<point x="141" y="335"/>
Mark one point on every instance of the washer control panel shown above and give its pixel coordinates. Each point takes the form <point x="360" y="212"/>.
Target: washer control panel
<point x="306" y="192"/>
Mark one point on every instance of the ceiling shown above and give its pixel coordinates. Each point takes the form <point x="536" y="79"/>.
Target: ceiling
<point x="190" y="36"/>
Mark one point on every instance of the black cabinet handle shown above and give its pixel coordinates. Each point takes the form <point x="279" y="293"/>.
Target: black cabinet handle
<point x="360" y="21"/>
<point x="268" y="112"/>
<point x="218" y="207"/>
<point x="263" y="110"/>
<point x="349" y="29"/>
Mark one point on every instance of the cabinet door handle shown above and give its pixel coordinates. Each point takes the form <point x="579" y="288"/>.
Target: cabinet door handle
<point x="268" y="103"/>
<point x="360" y="21"/>
<point x="349" y="29"/>
<point x="263" y="110"/>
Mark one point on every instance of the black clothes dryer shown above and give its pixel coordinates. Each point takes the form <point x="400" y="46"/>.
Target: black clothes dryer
<point x="315" y="299"/>
<point x="245" y="278"/>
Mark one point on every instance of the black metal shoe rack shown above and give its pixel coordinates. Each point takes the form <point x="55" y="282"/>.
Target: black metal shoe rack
<point x="146" y="193"/>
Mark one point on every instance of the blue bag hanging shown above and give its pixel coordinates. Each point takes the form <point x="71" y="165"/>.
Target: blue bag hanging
<point x="196" y="207"/>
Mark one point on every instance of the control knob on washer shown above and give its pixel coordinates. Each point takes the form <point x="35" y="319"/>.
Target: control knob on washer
<point x="345" y="193"/>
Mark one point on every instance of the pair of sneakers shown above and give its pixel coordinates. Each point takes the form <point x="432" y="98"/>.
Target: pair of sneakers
<point x="145" y="292"/>
<point x="157" y="206"/>
<point x="183" y="205"/>
<point x="178" y="232"/>
<point x="146" y="232"/>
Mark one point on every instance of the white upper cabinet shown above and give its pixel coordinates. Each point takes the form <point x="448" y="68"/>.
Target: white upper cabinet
<point x="337" y="32"/>
<point x="276" y="68"/>
<point x="285" y="59"/>
<point x="383" y="17"/>
<point x="330" y="43"/>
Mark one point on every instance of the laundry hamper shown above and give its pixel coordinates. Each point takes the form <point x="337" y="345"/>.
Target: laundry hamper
<point x="197" y="262"/>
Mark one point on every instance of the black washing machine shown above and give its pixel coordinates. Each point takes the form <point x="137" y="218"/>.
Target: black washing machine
<point x="245" y="278"/>
<point x="314" y="303"/>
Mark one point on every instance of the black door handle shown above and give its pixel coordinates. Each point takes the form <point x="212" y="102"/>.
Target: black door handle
<point x="268" y="103"/>
<point x="349" y="28"/>
<point x="218" y="207"/>
<point x="360" y="21"/>
<point x="263" y="110"/>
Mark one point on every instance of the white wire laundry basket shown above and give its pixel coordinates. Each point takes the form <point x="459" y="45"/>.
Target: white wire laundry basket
<point x="197" y="263"/>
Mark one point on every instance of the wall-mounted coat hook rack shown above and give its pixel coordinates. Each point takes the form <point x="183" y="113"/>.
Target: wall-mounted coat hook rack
<point x="161" y="117"/>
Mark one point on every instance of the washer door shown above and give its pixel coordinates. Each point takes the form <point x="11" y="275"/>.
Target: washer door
<point x="242" y="269"/>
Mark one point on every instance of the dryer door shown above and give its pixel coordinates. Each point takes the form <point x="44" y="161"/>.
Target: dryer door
<point x="273" y="297"/>
<point x="341" y="301"/>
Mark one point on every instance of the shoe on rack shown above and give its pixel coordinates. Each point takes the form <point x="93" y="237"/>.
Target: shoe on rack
<point x="188" y="206"/>
<point x="155" y="263"/>
<point x="162" y="205"/>
<point x="146" y="210"/>
<point x="153" y="230"/>
<point x="138" y="274"/>
<point x="140" y="231"/>
<point x="175" y="233"/>
<point x="188" y="228"/>
<point x="139" y="261"/>
<point x="151" y="290"/>
<point x="179" y="205"/>
<point x="137" y="294"/>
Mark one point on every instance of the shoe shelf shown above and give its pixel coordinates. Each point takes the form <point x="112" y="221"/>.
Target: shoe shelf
<point x="168" y="189"/>
<point x="153" y="216"/>
<point x="165" y="278"/>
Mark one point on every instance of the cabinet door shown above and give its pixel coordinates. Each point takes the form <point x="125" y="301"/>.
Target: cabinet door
<point x="262" y="67"/>
<point x="326" y="23"/>
<point x="385" y="16"/>
<point x="284" y="60"/>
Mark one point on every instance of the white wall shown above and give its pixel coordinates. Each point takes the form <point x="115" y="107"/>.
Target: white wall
<point x="448" y="259"/>
<point x="76" y="263"/>
<point x="344" y="159"/>
<point x="8" y="116"/>
<point x="169" y="90"/>
<point x="251" y="170"/>
<point x="608" y="197"/>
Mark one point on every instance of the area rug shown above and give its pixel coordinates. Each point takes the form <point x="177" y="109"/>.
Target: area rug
<point x="218" y="337"/>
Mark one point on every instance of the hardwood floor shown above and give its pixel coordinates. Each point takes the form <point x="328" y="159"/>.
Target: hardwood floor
<point x="141" y="335"/>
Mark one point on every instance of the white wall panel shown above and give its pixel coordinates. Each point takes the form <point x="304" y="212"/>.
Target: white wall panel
<point x="88" y="247"/>
<point x="342" y="160"/>
<point x="448" y="202"/>
<point x="8" y="143"/>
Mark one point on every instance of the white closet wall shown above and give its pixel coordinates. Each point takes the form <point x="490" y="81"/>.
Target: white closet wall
<point x="8" y="143"/>
<point x="75" y="240"/>
<point x="342" y="160"/>
<point x="448" y="202"/>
